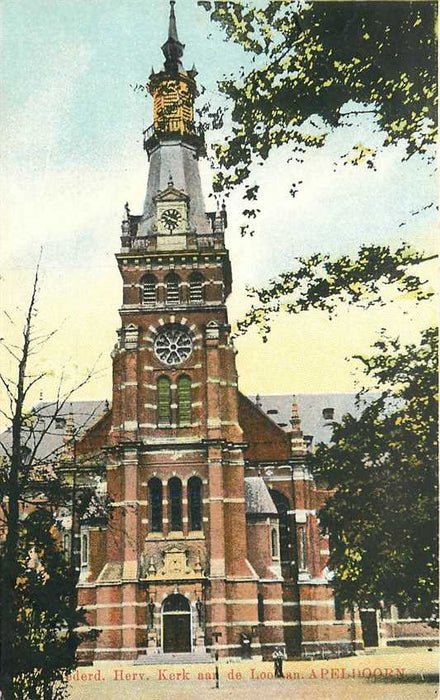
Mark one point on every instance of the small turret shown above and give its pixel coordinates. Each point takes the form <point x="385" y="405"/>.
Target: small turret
<point x="297" y="440"/>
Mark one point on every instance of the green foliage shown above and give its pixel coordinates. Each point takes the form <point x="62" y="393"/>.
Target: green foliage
<point x="318" y="65"/>
<point x="321" y="283"/>
<point x="45" y="641"/>
<point x="382" y="518"/>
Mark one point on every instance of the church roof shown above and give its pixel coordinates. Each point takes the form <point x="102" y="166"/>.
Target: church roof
<point x="311" y="411"/>
<point x="51" y="434"/>
<point x="258" y="499"/>
<point x="277" y="407"/>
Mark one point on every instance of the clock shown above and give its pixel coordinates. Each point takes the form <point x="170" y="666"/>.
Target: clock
<point x="171" y="218"/>
<point x="173" y="345"/>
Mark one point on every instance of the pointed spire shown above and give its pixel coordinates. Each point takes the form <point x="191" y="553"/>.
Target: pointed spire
<point x="173" y="48"/>
<point x="172" y="28"/>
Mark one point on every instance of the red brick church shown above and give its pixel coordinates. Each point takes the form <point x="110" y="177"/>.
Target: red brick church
<point x="213" y="540"/>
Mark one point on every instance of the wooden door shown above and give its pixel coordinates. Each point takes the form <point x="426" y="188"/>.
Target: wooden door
<point x="176" y="633"/>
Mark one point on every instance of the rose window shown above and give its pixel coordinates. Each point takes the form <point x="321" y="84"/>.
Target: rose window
<point x="173" y="346"/>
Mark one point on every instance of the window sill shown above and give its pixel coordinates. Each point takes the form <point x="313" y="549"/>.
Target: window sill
<point x="155" y="536"/>
<point x="174" y="426"/>
<point x="175" y="535"/>
<point x="196" y="535"/>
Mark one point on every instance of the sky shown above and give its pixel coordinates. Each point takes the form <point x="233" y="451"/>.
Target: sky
<point x="72" y="155"/>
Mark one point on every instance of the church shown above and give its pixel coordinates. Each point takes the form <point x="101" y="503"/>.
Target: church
<point x="213" y="541"/>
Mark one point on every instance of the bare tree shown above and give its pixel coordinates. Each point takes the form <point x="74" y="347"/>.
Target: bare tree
<point x="29" y="482"/>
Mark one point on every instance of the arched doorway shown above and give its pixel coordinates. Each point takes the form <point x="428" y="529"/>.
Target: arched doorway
<point x="176" y="624"/>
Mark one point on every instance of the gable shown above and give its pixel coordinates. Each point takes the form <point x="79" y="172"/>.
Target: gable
<point x="171" y="194"/>
<point x="267" y="441"/>
<point x="96" y="437"/>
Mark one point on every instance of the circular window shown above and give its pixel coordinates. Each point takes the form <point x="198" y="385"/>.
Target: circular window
<point x="173" y="345"/>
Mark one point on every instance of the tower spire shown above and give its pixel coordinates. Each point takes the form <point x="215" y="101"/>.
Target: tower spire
<point x="173" y="48"/>
<point x="172" y="28"/>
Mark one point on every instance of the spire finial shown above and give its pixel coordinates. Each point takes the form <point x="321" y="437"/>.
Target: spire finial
<point x="172" y="27"/>
<point x="173" y="48"/>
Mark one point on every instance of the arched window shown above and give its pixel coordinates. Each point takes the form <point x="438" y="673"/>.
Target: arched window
<point x="196" y="288"/>
<point x="172" y="285"/>
<point x="282" y="506"/>
<point x="85" y="550"/>
<point x="175" y="503"/>
<point x="184" y="400"/>
<point x="176" y="603"/>
<point x="163" y="401"/>
<point x="149" y="290"/>
<point x="155" y="498"/>
<point x="195" y="503"/>
<point x="274" y="542"/>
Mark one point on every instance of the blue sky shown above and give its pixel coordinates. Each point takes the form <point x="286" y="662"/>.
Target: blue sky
<point x="72" y="155"/>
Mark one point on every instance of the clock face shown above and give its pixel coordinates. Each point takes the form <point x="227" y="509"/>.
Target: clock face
<point x="173" y="345"/>
<point x="171" y="219"/>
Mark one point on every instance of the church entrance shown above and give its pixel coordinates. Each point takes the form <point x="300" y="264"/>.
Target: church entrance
<point x="176" y="624"/>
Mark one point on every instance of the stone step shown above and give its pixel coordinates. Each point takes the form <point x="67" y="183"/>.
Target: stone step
<point x="165" y="659"/>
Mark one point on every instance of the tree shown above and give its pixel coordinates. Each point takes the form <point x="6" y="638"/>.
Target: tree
<point x="31" y="493"/>
<point x="318" y="282"/>
<point x="44" y="619"/>
<point x="318" y="66"/>
<point x="382" y="516"/>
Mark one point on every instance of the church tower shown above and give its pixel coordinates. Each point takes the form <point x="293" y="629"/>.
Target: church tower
<point x="175" y="574"/>
<point x="213" y="541"/>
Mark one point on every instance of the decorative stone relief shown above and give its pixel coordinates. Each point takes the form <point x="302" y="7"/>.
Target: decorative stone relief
<point x="175" y="566"/>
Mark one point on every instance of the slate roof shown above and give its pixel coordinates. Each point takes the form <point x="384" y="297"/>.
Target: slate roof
<point x="83" y="413"/>
<point x="310" y="407"/>
<point x="258" y="498"/>
<point x="276" y="406"/>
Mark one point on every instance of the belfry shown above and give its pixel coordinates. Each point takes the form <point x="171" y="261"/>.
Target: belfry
<point x="213" y="540"/>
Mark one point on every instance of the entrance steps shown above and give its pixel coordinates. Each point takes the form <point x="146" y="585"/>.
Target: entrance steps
<point x="171" y="658"/>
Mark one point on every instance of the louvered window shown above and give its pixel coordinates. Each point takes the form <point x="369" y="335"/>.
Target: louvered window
<point x="155" y="493"/>
<point x="173" y="289"/>
<point x="184" y="400"/>
<point x="195" y="503"/>
<point x="196" y="289"/>
<point x="175" y="503"/>
<point x="163" y="400"/>
<point x="149" y="290"/>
